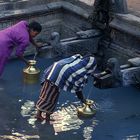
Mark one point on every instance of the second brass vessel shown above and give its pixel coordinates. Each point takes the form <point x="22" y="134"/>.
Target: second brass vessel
<point x="88" y="109"/>
<point x="31" y="73"/>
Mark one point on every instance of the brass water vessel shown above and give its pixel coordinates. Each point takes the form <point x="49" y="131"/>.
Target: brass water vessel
<point x="88" y="109"/>
<point x="31" y="73"/>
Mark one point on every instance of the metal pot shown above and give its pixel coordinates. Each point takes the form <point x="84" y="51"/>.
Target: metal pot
<point x="31" y="73"/>
<point x="87" y="110"/>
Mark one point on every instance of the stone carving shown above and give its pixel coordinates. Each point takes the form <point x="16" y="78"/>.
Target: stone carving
<point x="120" y="6"/>
<point x="58" y="48"/>
<point x="92" y="33"/>
<point x="104" y="9"/>
<point x="100" y="18"/>
<point x="131" y="74"/>
<point x="114" y="67"/>
<point x="55" y="42"/>
<point x="111" y="77"/>
<point x="134" y="61"/>
<point x="101" y="13"/>
<point x="88" y="33"/>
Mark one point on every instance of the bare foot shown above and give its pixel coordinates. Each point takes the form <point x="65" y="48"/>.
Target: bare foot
<point x="40" y="118"/>
<point x="49" y="119"/>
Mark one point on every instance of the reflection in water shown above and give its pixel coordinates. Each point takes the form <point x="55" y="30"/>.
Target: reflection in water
<point x="65" y="117"/>
<point x="18" y="136"/>
<point x="132" y="137"/>
<point x="28" y="110"/>
<point x="87" y="132"/>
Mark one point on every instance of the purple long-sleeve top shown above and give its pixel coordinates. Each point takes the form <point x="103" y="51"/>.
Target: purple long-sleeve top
<point x="15" y="36"/>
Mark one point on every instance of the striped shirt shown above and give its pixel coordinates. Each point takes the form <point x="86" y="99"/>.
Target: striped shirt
<point x="70" y="74"/>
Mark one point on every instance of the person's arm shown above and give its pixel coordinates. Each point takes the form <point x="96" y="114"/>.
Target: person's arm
<point x="20" y="51"/>
<point x="80" y="96"/>
<point x="37" y="46"/>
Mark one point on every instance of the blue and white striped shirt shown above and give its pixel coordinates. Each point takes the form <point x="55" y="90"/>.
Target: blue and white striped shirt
<point x="70" y="74"/>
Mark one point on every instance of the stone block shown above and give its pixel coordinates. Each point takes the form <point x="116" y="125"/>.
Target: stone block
<point x="135" y="61"/>
<point x="128" y="75"/>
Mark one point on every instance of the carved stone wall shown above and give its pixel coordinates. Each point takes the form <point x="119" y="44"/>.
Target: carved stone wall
<point x="125" y="38"/>
<point x="67" y="18"/>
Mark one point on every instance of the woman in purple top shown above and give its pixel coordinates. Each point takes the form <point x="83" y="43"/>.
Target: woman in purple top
<point x="17" y="36"/>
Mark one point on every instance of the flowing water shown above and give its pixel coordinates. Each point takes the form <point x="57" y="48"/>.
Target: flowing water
<point x="117" y="116"/>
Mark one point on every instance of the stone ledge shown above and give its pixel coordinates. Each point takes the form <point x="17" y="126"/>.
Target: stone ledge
<point x="75" y="9"/>
<point x="128" y="75"/>
<point x="42" y="9"/>
<point x="127" y="23"/>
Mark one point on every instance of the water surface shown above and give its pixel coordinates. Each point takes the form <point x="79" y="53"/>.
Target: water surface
<point x="117" y="116"/>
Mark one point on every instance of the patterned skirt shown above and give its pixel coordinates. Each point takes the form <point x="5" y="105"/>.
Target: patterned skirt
<point x="48" y="97"/>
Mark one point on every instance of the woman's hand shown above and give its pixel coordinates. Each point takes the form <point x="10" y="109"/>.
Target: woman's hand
<point x="80" y="96"/>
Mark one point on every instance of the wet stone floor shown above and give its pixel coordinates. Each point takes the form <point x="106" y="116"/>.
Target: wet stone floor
<point x="117" y="116"/>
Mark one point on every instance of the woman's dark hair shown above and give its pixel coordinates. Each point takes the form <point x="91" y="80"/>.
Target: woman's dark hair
<point x="35" y="26"/>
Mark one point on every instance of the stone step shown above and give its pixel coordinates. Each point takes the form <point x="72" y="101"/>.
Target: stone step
<point x="21" y="4"/>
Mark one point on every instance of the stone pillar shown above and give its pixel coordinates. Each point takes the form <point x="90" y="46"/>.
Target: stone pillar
<point x="120" y="6"/>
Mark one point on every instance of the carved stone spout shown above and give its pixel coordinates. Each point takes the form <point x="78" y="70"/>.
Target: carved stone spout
<point x="58" y="48"/>
<point x="111" y="77"/>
